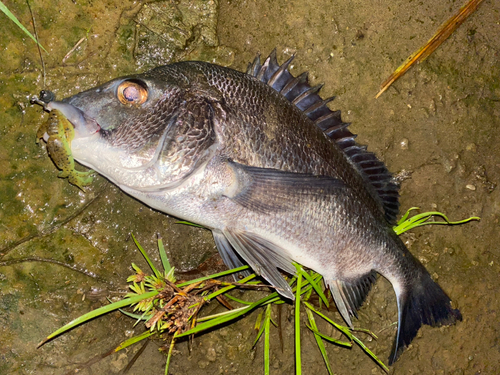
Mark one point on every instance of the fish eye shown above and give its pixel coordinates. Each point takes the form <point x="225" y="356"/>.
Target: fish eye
<point x="132" y="93"/>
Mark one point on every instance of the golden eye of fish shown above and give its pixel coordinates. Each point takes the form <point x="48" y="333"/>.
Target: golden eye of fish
<point x="132" y="93"/>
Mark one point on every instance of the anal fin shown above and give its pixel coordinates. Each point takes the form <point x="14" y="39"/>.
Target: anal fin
<point x="350" y="295"/>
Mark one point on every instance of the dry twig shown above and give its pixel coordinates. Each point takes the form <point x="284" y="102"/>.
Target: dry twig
<point x="441" y="35"/>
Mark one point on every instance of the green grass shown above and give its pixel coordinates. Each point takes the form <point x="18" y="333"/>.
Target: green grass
<point x="170" y="309"/>
<point x="406" y="223"/>
<point x="14" y="19"/>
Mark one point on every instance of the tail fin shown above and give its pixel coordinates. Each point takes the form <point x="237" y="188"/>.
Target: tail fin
<point x="424" y="303"/>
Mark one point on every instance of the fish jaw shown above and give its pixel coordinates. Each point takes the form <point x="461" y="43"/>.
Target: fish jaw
<point x="87" y="145"/>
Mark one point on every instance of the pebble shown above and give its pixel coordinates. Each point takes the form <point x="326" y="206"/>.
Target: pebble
<point x="470" y="187"/>
<point x="211" y="354"/>
<point x="203" y="364"/>
<point x="471" y="147"/>
<point x="404" y="144"/>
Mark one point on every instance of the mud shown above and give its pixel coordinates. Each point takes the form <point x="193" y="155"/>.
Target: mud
<point x="64" y="252"/>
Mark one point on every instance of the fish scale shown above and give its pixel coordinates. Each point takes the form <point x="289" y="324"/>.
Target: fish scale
<point x="261" y="160"/>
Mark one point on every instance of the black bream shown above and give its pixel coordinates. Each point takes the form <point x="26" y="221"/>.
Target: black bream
<point x="260" y="160"/>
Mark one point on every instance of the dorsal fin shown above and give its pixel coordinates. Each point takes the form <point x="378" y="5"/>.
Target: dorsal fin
<point x="298" y="91"/>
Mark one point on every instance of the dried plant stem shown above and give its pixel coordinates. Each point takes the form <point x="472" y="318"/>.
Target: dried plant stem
<point x="441" y="35"/>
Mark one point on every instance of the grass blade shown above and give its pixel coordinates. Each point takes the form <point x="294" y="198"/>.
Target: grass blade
<point x="298" y="359"/>
<point x="315" y="285"/>
<point x="163" y="256"/>
<point x="14" y="19"/>
<point x="347" y="344"/>
<point x="320" y="343"/>
<point x="345" y="330"/>
<point x="238" y="300"/>
<point x="405" y="216"/>
<point x="422" y="219"/>
<point x="170" y="350"/>
<point x="100" y="311"/>
<point x="259" y="325"/>
<point x="229" y="287"/>
<point x="221" y="319"/>
<point x="349" y="334"/>
<point x="133" y="316"/>
<point x="267" y="325"/>
<point x="190" y="224"/>
<point x="133" y="340"/>
<point x="214" y="276"/>
<point x="151" y="265"/>
<point x="370" y="353"/>
<point x="224" y="313"/>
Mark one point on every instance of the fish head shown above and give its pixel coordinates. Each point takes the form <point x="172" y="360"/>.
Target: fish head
<point x="143" y="132"/>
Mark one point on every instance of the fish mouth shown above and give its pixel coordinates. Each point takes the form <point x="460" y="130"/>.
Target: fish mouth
<point x="85" y="126"/>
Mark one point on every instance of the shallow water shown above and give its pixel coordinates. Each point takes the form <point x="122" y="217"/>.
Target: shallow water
<point x="64" y="251"/>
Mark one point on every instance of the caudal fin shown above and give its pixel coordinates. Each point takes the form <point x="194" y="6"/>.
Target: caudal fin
<point x="424" y="303"/>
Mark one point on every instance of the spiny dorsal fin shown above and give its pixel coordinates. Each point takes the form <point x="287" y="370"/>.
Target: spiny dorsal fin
<point x="298" y="91"/>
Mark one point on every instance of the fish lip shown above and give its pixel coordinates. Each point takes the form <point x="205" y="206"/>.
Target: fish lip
<point x="84" y="125"/>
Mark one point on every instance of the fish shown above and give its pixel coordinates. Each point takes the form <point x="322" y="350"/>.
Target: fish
<point x="260" y="159"/>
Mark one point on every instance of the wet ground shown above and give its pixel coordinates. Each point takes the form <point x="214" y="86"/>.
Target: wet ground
<point x="63" y="251"/>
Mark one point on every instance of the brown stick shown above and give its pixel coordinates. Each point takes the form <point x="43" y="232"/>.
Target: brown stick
<point x="441" y="35"/>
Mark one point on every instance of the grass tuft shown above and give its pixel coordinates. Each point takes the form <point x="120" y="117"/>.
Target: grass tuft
<point x="169" y="309"/>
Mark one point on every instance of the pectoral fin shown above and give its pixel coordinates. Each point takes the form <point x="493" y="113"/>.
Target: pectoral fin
<point x="267" y="190"/>
<point x="264" y="257"/>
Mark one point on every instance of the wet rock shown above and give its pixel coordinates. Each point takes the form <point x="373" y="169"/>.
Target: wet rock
<point x="169" y="31"/>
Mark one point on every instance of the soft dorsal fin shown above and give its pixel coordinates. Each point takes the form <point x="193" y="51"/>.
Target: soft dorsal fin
<point x="298" y="91"/>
